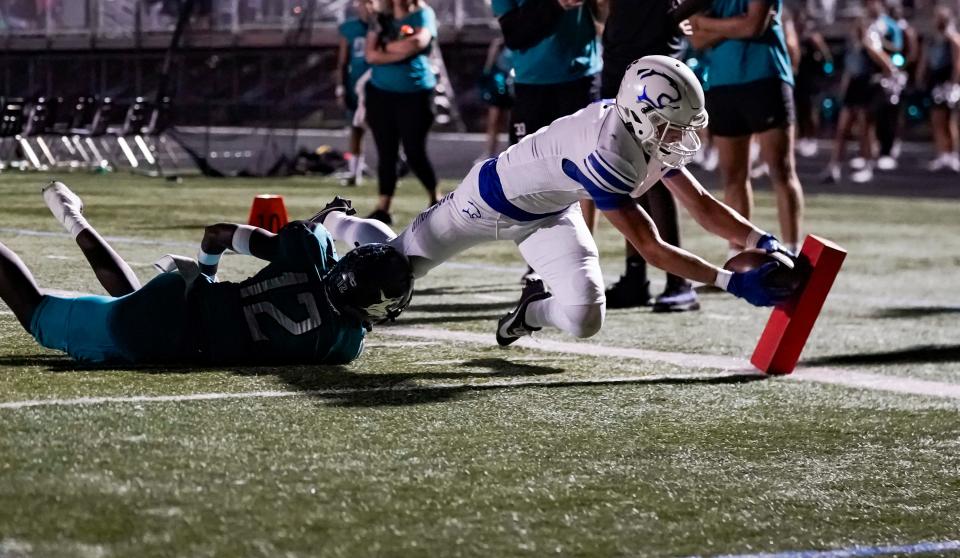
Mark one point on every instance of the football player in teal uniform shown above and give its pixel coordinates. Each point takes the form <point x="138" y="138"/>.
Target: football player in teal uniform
<point x="306" y="306"/>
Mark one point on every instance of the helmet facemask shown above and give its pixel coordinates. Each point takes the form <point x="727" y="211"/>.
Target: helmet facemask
<point x="674" y="145"/>
<point x="372" y="283"/>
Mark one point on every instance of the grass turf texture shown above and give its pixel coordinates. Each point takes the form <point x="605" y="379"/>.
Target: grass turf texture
<point x="418" y="448"/>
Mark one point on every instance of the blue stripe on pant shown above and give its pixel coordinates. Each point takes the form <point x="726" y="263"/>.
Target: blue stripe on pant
<point x="149" y="325"/>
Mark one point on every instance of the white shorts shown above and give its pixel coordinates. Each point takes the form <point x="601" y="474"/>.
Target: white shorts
<point x="559" y="247"/>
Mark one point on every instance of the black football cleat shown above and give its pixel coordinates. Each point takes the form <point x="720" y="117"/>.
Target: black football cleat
<point x="677" y="298"/>
<point x="338" y="204"/>
<point x="628" y="292"/>
<point x="528" y="276"/>
<point x="512" y="325"/>
<point x="382" y="216"/>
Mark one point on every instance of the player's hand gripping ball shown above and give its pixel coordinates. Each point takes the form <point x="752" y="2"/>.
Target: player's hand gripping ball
<point x="788" y="275"/>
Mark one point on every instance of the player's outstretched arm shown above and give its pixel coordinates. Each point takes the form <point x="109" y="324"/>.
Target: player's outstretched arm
<point x="242" y="239"/>
<point x="638" y="228"/>
<point x="718" y="217"/>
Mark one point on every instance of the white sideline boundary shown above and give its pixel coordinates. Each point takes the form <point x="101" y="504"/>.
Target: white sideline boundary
<point x="823" y="375"/>
<point x="726" y="367"/>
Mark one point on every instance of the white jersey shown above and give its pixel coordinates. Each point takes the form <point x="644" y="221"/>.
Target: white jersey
<point x="587" y="155"/>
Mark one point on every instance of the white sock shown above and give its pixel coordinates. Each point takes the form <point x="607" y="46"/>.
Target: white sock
<point x="579" y="320"/>
<point x="75" y="223"/>
<point x="352" y="164"/>
<point x="793" y="247"/>
<point x="357" y="169"/>
<point x="354" y="230"/>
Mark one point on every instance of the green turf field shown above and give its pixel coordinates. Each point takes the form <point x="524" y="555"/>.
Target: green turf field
<point x="437" y="443"/>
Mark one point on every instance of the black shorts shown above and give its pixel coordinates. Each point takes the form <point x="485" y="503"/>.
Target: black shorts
<point x="750" y="108"/>
<point x="862" y="92"/>
<point x="536" y="106"/>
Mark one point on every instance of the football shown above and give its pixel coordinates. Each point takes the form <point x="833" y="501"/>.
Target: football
<point x="787" y="275"/>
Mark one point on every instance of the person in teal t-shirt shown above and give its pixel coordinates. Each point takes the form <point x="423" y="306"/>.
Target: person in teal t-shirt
<point x="749" y="91"/>
<point x="556" y="60"/>
<point x="399" y="95"/>
<point x="556" y="56"/>
<point x="351" y="66"/>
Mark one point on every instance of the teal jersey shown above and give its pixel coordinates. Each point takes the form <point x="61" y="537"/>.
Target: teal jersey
<point x="739" y="61"/>
<point x="415" y="73"/>
<point x="282" y="313"/>
<point x="355" y="33"/>
<point x="571" y="53"/>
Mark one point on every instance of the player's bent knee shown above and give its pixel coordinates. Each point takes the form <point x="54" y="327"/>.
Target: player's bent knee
<point x="585" y="320"/>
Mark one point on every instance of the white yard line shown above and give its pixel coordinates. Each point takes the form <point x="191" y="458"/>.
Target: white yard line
<point x="727" y="366"/>
<point x="835" y="376"/>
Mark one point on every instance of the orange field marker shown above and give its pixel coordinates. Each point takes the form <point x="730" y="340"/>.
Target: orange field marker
<point x="789" y="326"/>
<point x="268" y="212"/>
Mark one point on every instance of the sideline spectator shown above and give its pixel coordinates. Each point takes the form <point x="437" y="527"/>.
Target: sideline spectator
<point x="814" y="56"/>
<point x="633" y="30"/>
<point x="496" y="90"/>
<point x="899" y="41"/>
<point x="751" y="94"/>
<point x="351" y="65"/>
<point x="939" y="71"/>
<point x="556" y="57"/>
<point x="399" y="95"/>
<point x="865" y="64"/>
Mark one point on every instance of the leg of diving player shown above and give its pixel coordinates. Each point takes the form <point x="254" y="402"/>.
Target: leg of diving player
<point x="18" y="287"/>
<point x="111" y="270"/>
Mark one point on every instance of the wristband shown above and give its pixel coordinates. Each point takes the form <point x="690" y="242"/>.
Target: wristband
<point x="340" y="90"/>
<point x="204" y="258"/>
<point x="241" y="239"/>
<point x="723" y="278"/>
<point x="754" y="237"/>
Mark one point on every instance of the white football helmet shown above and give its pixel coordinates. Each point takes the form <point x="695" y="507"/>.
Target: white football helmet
<point x="661" y="102"/>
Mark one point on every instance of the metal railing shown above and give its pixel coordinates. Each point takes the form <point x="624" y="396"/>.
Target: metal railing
<point x="114" y="19"/>
<point x="119" y="18"/>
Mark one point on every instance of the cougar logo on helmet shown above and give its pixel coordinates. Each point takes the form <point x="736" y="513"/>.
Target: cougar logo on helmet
<point x="665" y="89"/>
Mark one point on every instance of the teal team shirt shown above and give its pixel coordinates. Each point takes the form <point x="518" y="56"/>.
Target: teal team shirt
<point x="739" y="61"/>
<point x="414" y="74"/>
<point x="571" y="53"/>
<point x="281" y="314"/>
<point x="355" y="32"/>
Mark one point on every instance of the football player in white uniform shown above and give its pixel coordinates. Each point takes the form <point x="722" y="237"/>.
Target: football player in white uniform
<point x="610" y="151"/>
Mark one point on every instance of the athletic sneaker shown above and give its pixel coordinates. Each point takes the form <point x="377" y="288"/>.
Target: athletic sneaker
<point x="863" y="175"/>
<point x="886" y="163"/>
<point x="348" y="179"/>
<point x="944" y="162"/>
<point x="677" y="298"/>
<point x="512" y="326"/>
<point x="529" y="275"/>
<point x="338" y="204"/>
<point x="830" y="175"/>
<point x="628" y="292"/>
<point x="858" y="163"/>
<point x="807" y="147"/>
<point x="382" y="216"/>
<point x="66" y="206"/>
